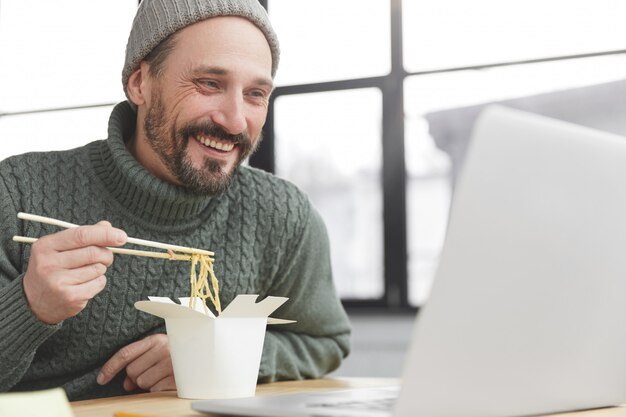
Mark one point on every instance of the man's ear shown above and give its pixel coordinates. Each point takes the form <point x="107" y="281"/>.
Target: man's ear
<point x="136" y="87"/>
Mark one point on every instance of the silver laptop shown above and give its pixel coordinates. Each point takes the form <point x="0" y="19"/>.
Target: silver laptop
<point x="527" y="314"/>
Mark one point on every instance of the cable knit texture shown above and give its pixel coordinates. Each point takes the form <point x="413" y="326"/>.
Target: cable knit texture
<point x="267" y="238"/>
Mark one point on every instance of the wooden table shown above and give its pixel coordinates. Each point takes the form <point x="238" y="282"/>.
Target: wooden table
<point x="166" y="404"/>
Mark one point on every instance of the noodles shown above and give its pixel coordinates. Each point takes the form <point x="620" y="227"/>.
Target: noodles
<point x="201" y="270"/>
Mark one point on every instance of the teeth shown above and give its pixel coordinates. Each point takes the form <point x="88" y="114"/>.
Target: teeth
<point x="222" y="146"/>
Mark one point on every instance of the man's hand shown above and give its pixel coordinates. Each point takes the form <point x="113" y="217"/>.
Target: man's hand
<point x="148" y="365"/>
<point x="66" y="270"/>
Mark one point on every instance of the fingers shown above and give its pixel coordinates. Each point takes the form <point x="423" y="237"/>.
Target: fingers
<point x="147" y="362"/>
<point x="101" y="234"/>
<point x="121" y="359"/>
<point x="66" y="269"/>
<point x="89" y="289"/>
<point x="89" y="255"/>
<point x="55" y="294"/>
<point x="82" y="275"/>
<point x="166" y="384"/>
<point x="129" y="385"/>
<point x="150" y="368"/>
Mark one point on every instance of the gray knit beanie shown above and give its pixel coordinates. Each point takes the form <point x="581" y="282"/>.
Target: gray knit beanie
<point x="158" y="19"/>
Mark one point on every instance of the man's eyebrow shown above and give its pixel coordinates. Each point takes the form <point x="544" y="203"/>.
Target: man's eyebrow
<point x="266" y="82"/>
<point x="210" y="70"/>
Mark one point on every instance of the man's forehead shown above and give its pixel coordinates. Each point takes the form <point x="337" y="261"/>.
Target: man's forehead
<point x="221" y="44"/>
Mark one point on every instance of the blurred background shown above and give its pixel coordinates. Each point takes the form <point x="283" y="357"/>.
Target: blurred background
<point x="372" y="114"/>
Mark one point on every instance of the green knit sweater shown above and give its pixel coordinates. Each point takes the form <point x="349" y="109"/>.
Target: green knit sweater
<point x="267" y="239"/>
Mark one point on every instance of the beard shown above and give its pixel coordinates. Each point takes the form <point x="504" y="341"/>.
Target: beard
<point x="171" y="144"/>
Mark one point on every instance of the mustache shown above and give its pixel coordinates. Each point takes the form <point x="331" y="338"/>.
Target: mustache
<point x="208" y="129"/>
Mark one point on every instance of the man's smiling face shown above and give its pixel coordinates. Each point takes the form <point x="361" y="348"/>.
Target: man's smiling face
<point x="203" y="113"/>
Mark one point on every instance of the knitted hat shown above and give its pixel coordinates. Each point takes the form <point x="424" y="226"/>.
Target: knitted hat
<point x="158" y="19"/>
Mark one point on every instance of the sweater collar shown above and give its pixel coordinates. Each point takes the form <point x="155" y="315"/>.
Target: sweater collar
<point x="136" y="189"/>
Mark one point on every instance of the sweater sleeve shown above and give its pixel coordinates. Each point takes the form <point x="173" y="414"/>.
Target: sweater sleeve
<point x="20" y="331"/>
<point x="320" y="339"/>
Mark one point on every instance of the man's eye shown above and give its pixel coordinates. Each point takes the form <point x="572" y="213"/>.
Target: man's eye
<point x="209" y="83"/>
<point x="258" y="93"/>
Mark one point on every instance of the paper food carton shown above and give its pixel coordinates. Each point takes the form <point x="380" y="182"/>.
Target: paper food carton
<point x="215" y="357"/>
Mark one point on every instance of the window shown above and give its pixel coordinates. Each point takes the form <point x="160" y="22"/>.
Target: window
<point x="52" y="130"/>
<point x="443" y="61"/>
<point x="328" y="40"/>
<point x="371" y="116"/>
<point x="455" y="33"/>
<point x="72" y="61"/>
<point x="329" y="144"/>
<point x="440" y="109"/>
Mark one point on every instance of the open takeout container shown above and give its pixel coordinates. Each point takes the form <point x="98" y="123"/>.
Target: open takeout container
<point x="215" y="357"/>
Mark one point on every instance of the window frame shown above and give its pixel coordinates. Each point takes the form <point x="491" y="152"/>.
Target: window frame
<point x="394" y="177"/>
<point x="395" y="296"/>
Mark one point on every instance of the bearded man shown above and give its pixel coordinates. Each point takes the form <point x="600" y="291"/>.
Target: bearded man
<point x="198" y="76"/>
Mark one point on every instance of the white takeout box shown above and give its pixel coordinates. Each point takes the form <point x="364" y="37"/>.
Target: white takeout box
<point x="215" y="357"/>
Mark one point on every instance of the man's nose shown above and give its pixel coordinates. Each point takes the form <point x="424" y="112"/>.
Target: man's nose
<point x="230" y="114"/>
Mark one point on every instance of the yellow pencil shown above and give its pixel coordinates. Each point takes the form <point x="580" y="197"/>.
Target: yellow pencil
<point x="125" y="414"/>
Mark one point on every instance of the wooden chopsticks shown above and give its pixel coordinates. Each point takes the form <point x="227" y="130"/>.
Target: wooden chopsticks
<point x="122" y="251"/>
